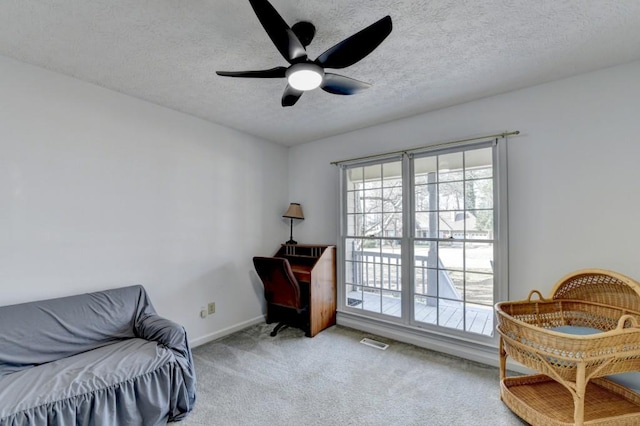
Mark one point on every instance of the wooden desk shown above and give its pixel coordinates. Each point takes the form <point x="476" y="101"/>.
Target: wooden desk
<point x="314" y="266"/>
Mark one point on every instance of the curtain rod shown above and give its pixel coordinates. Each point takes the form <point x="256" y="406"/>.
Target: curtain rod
<point x="405" y="151"/>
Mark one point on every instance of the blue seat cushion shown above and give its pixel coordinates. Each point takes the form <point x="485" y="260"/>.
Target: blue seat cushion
<point x="630" y="380"/>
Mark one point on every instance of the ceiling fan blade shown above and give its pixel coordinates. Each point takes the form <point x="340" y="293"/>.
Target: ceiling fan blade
<point x="290" y="96"/>
<point x="341" y="85"/>
<point x="277" y="72"/>
<point x="282" y="36"/>
<point x="297" y="51"/>
<point x="356" y="47"/>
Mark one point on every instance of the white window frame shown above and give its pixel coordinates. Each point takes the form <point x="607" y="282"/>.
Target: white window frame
<point x="406" y="322"/>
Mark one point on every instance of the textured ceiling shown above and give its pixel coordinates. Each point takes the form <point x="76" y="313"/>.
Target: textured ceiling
<point x="440" y="53"/>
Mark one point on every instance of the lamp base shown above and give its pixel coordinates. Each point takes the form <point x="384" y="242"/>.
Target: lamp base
<point x="291" y="241"/>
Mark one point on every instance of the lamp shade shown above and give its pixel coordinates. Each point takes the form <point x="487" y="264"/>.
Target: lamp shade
<point x="294" y="211"/>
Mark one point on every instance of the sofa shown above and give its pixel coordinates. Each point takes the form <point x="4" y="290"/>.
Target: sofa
<point x="103" y="358"/>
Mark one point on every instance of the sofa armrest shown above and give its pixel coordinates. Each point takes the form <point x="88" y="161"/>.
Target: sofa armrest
<point x="170" y="334"/>
<point x="153" y="327"/>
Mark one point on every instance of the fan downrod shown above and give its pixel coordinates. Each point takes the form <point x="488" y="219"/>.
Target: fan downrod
<point x="305" y="31"/>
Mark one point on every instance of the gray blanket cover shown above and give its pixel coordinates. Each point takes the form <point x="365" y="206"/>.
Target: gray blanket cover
<point x="102" y="358"/>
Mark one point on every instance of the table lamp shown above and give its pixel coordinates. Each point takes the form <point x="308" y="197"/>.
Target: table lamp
<point x="293" y="212"/>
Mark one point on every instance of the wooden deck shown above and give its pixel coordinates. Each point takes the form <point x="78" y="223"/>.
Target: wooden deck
<point x="479" y="319"/>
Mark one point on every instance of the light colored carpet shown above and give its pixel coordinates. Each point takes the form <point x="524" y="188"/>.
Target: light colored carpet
<point x="251" y="378"/>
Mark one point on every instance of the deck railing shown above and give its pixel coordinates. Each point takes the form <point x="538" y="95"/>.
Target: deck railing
<point x="382" y="271"/>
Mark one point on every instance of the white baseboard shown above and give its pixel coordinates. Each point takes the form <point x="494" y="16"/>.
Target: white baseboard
<point x="225" y="331"/>
<point x="465" y="350"/>
<point x="461" y="349"/>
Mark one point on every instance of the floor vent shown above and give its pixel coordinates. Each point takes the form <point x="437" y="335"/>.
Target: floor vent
<point x="374" y="343"/>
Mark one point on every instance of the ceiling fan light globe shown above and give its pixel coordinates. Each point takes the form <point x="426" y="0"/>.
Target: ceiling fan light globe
<point x="305" y="80"/>
<point x="305" y="76"/>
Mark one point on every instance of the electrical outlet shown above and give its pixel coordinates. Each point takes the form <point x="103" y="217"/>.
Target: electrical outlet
<point x="203" y="312"/>
<point x="212" y="308"/>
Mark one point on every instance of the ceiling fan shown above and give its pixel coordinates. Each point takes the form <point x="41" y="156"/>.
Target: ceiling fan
<point x="304" y="74"/>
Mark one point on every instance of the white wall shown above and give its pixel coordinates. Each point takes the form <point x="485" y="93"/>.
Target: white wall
<point x="100" y="190"/>
<point x="574" y="173"/>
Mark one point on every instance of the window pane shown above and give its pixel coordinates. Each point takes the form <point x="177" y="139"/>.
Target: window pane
<point x="354" y="224"/>
<point x="373" y="201"/>
<point x="478" y="163"/>
<point x="425" y="268"/>
<point x="353" y="249"/>
<point x="425" y="170"/>
<point x="354" y="297"/>
<point x="426" y="254"/>
<point x="391" y="303"/>
<point x="451" y="224"/>
<point x="353" y="264"/>
<point x="451" y="196"/>
<point x="450" y="284"/>
<point x="450" y="167"/>
<point x="392" y="182"/>
<point x="471" y="226"/>
<point x="479" y="257"/>
<point x="392" y="199"/>
<point x="372" y="176"/>
<point x="423" y="277"/>
<point x="392" y="172"/>
<point x="373" y="275"/>
<point x="371" y="300"/>
<point x="478" y="194"/>
<point x="480" y="225"/>
<point x="426" y="197"/>
<point x="450" y="314"/>
<point x="451" y="255"/>
<point x="479" y="319"/>
<point x="392" y="225"/>
<point x="479" y="288"/>
<point x="355" y="178"/>
<point x="351" y="201"/>
<point x="352" y="272"/>
<point x="426" y="309"/>
<point x="372" y="225"/>
<point x="391" y="266"/>
<point x="422" y="225"/>
<point x="355" y="201"/>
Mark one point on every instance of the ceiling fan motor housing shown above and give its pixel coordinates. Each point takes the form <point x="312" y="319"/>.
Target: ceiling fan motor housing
<point x="305" y="31"/>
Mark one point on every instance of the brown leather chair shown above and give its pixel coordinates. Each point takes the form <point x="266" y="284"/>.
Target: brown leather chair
<point x="286" y="301"/>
